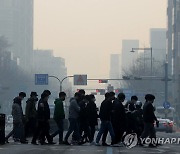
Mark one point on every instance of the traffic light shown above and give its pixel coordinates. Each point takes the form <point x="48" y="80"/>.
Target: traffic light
<point x="117" y="91"/>
<point x="103" y="81"/>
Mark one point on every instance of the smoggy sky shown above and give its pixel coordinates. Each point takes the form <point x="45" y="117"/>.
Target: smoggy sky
<point x="86" y="32"/>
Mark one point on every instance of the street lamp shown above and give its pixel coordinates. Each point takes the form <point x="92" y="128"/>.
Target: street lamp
<point x="150" y="49"/>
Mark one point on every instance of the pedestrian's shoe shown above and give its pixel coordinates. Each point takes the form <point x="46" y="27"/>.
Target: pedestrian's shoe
<point x="6" y="141"/>
<point x="97" y="144"/>
<point x="51" y="143"/>
<point x="66" y="143"/>
<point x="152" y="145"/>
<point x="16" y="140"/>
<point x="43" y="143"/>
<point x="24" y="142"/>
<point x="105" y="144"/>
<point x="81" y="143"/>
<point x="61" y="142"/>
<point x="34" y="143"/>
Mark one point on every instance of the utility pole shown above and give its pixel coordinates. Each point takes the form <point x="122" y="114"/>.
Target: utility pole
<point x="166" y="81"/>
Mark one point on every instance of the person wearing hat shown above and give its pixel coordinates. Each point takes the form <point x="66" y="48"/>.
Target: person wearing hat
<point x="149" y="118"/>
<point x="31" y="114"/>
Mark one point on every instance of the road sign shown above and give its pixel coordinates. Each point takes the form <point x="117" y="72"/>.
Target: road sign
<point x="80" y="79"/>
<point x="41" y="79"/>
<point x="103" y="81"/>
<point x="166" y="105"/>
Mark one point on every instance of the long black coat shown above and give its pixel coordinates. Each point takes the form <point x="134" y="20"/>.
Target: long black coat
<point x="43" y="110"/>
<point x="92" y="113"/>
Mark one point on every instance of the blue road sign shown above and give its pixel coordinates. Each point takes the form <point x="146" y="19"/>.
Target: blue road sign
<point x="166" y="105"/>
<point x="41" y="79"/>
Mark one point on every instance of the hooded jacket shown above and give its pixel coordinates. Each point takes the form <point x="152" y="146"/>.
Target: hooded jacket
<point x="59" y="110"/>
<point x="74" y="109"/>
<point x="17" y="111"/>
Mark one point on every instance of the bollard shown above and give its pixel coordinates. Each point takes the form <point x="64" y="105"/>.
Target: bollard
<point x="2" y="129"/>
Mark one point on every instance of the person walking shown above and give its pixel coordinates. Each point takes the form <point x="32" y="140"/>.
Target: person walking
<point x="74" y="111"/>
<point x="105" y="116"/>
<point x="59" y="116"/>
<point x="119" y="119"/>
<point x="92" y="115"/>
<point x="43" y="114"/>
<point x="149" y="118"/>
<point x="18" y="118"/>
<point x="31" y="114"/>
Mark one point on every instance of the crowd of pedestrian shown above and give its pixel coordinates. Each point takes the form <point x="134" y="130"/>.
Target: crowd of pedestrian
<point x="116" y="118"/>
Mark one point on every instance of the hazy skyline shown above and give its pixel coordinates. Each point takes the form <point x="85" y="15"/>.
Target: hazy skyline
<point x="86" y="32"/>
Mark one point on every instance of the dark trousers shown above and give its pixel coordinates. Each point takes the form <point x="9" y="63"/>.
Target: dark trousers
<point x="18" y="129"/>
<point x="104" y="136"/>
<point x="73" y="128"/>
<point x="60" y="125"/>
<point x="92" y="131"/>
<point x="84" y="127"/>
<point x="149" y="130"/>
<point x="42" y="132"/>
<point x="10" y="134"/>
<point x="30" y="126"/>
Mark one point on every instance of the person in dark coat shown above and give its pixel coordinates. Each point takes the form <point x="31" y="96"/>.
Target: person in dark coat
<point x="105" y="116"/>
<point x="130" y="108"/>
<point x="92" y="115"/>
<point x="149" y="118"/>
<point x="138" y="118"/>
<point x="83" y="120"/>
<point x="31" y="114"/>
<point x="119" y="120"/>
<point x="43" y="114"/>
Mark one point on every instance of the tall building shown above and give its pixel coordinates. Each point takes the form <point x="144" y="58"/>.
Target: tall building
<point x="45" y="63"/>
<point x="115" y="70"/>
<point x="173" y="39"/>
<point x="16" y="18"/>
<point x="158" y="44"/>
<point x="128" y="58"/>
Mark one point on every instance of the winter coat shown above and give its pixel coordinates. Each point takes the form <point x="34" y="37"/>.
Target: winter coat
<point x="30" y="111"/>
<point x="43" y="110"/>
<point x="92" y="113"/>
<point x="148" y="113"/>
<point x="119" y="114"/>
<point x="105" y="110"/>
<point x="17" y="111"/>
<point x="59" y="110"/>
<point x="74" y="109"/>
